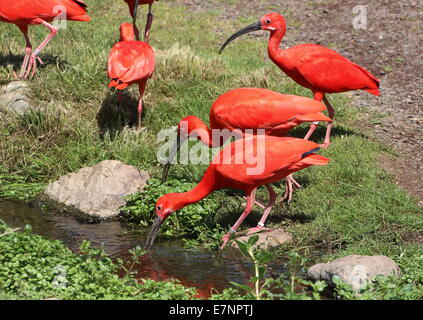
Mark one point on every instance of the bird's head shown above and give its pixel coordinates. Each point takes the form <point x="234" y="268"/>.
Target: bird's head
<point x="270" y="22"/>
<point x="165" y="206"/>
<point x="187" y="127"/>
<point x="127" y="32"/>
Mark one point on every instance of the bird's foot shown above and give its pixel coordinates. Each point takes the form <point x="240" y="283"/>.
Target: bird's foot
<point x="324" y="145"/>
<point x="290" y="186"/>
<point x="257" y="229"/>
<point x="257" y="202"/>
<point x="140" y="129"/>
<point x="32" y="65"/>
<point x="225" y="240"/>
<point x="295" y="184"/>
<point x="287" y="196"/>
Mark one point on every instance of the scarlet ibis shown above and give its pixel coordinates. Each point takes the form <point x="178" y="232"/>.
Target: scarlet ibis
<point x="277" y="157"/>
<point x="32" y="12"/>
<point x="315" y="67"/>
<point x="130" y="62"/>
<point x="244" y="109"/>
<point x="133" y="8"/>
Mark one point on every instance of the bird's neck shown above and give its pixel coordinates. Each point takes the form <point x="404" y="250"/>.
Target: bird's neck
<point x="205" y="187"/>
<point x="198" y="129"/>
<point x="275" y="40"/>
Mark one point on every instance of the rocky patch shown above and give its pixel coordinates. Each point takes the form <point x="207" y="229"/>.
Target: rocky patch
<point x="98" y="191"/>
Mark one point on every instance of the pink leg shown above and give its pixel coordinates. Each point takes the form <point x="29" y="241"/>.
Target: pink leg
<point x="32" y="65"/>
<point x="295" y="184"/>
<point x="28" y="50"/>
<point x="260" y="225"/>
<point x="139" y="113"/>
<point x="313" y="127"/>
<point x="148" y="24"/>
<point x="250" y="200"/>
<point x="141" y="90"/>
<point x="329" y="127"/>
<point x="316" y="96"/>
<point x="258" y="203"/>
<point x="289" y="189"/>
<point x="290" y="186"/>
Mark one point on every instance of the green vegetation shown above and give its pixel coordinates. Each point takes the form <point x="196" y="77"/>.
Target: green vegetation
<point x="195" y="223"/>
<point x="349" y="206"/>
<point x="32" y="267"/>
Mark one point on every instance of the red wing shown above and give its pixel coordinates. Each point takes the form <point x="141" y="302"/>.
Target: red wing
<point x="235" y="108"/>
<point x="265" y="159"/>
<point x="329" y="71"/>
<point x="27" y="10"/>
<point x="130" y="61"/>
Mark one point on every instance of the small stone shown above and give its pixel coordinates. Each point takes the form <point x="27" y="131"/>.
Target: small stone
<point x="354" y="270"/>
<point x="13" y="97"/>
<point x="267" y="239"/>
<point x="98" y="191"/>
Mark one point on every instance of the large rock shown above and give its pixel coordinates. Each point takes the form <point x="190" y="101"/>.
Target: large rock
<point x="355" y="270"/>
<point x="13" y="97"/>
<point x="267" y="239"/>
<point x="98" y="191"/>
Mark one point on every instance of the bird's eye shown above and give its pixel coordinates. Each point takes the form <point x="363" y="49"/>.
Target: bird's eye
<point x="268" y="21"/>
<point x="159" y="207"/>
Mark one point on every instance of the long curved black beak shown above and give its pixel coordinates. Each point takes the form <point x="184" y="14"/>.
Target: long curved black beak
<point x="252" y="27"/>
<point x="153" y="233"/>
<point x="172" y="154"/>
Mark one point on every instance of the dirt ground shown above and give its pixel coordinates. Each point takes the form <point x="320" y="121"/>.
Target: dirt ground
<point x="391" y="47"/>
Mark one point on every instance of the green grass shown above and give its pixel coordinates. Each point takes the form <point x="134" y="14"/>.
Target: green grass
<point x="349" y="206"/>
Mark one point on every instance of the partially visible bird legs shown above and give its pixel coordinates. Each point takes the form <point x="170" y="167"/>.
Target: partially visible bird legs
<point x="250" y="200"/>
<point x="139" y="114"/>
<point x="28" y="50"/>
<point x="290" y="186"/>
<point x="260" y="225"/>
<point x="331" y="112"/>
<point x="148" y="23"/>
<point x="313" y="127"/>
<point x="258" y="203"/>
<point x="32" y="63"/>
<point x="141" y="90"/>
<point x="134" y="20"/>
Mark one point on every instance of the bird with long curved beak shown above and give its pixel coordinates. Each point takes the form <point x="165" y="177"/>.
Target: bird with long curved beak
<point x="312" y="66"/>
<point x="130" y="62"/>
<point x="24" y="13"/>
<point x="277" y="157"/>
<point x="244" y="111"/>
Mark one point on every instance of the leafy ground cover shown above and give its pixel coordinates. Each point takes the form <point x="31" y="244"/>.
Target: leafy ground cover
<point x="349" y="206"/>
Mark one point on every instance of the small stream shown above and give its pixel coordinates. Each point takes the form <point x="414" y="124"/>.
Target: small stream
<point x="200" y="268"/>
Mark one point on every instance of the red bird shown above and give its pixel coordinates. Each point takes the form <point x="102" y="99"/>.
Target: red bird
<point x="234" y="167"/>
<point x="244" y="109"/>
<point x="130" y="62"/>
<point x="31" y="12"/>
<point x="133" y="8"/>
<point x="317" y="68"/>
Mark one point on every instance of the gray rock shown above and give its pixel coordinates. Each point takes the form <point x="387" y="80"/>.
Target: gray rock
<point x="13" y="97"/>
<point x="355" y="270"/>
<point x="98" y="191"/>
<point x="267" y="239"/>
